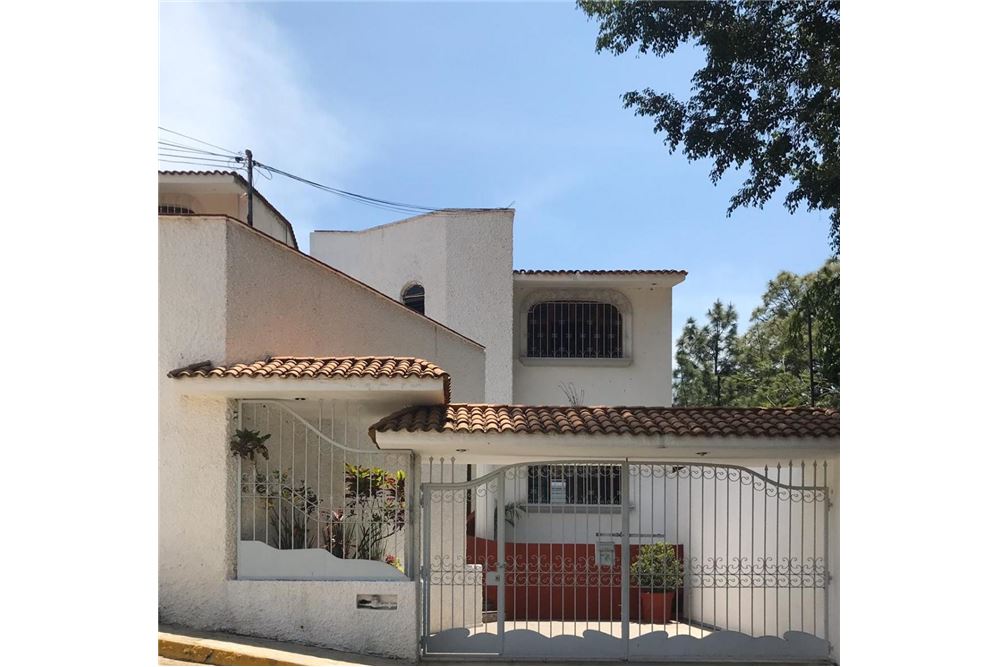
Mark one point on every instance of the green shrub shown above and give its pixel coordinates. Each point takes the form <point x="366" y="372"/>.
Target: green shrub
<point x="657" y="568"/>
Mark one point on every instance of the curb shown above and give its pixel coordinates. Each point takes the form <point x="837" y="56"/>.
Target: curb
<point x="216" y="652"/>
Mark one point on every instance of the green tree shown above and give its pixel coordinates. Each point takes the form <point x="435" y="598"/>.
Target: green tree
<point x="769" y="364"/>
<point x="723" y="347"/>
<point x="707" y="359"/>
<point x="692" y="381"/>
<point x="767" y="97"/>
<point x="775" y="361"/>
<point x="822" y="301"/>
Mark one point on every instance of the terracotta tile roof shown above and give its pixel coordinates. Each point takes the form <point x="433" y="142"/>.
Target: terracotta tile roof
<point x="322" y="367"/>
<point x="196" y="172"/>
<point x="596" y="272"/>
<point x="682" y="422"/>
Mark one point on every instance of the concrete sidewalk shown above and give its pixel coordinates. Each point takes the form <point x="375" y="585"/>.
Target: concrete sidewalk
<point x="186" y="646"/>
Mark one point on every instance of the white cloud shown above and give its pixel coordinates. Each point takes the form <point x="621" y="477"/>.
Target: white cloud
<point x="230" y="76"/>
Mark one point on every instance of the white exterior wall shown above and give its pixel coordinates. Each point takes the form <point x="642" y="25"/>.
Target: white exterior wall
<point x="228" y="293"/>
<point x="325" y="613"/>
<point x="463" y="259"/>
<point x="281" y="303"/>
<point x="645" y="380"/>
<point x="222" y="195"/>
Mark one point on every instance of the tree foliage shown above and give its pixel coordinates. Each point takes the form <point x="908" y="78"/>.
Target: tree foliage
<point x="768" y="95"/>
<point x="707" y="358"/>
<point x="769" y="364"/>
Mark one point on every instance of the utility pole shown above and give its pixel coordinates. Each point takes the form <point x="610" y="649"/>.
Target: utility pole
<point x="249" y="157"/>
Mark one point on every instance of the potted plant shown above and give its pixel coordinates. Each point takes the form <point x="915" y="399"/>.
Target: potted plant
<point x="247" y="444"/>
<point x="659" y="574"/>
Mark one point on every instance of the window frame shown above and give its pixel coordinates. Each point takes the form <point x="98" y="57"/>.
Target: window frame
<point x="569" y="323"/>
<point x="541" y="505"/>
<point x="611" y="297"/>
<point x="406" y="288"/>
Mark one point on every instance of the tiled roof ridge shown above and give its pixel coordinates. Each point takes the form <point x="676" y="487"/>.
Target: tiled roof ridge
<point x="312" y="367"/>
<point x="700" y="421"/>
<point x="712" y="408"/>
<point x="528" y="272"/>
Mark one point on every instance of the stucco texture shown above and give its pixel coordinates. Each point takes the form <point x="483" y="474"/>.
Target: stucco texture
<point x="645" y="379"/>
<point x="463" y="259"/>
<point x="279" y="302"/>
<point x="229" y="293"/>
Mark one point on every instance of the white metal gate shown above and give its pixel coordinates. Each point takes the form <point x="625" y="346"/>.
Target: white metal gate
<point x="722" y="561"/>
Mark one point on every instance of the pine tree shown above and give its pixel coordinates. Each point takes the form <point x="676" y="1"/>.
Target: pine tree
<point x="707" y="359"/>
<point x="723" y="344"/>
<point x="692" y="383"/>
<point x="769" y="365"/>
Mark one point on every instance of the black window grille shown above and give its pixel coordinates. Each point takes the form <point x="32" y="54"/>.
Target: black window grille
<point x="413" y="298"/>
<point x="171" y="209"/>
<point x="575" y="485"/>
<point x="574" y="329"/>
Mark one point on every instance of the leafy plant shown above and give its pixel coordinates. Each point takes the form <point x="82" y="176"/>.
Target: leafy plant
<point x="247" y="444"/>
<point x="657" y="568"/>
<point x="374" y="511"/>
<point x="289" y="508"/>
<point x="512" y="513"/>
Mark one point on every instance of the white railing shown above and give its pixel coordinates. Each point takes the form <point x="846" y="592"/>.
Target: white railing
<point x="322" y="502"/>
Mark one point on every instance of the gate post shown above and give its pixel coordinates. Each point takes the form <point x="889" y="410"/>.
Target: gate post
<point x="626" y="555"/>
<point x="425" y="561"/>
<point x="501" y="556"/>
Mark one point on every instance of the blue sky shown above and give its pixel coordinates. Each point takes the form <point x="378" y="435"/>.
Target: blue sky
<point x="478" y="105"/>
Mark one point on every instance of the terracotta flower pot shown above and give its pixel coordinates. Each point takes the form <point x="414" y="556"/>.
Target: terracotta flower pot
<point x="656" y="607"/>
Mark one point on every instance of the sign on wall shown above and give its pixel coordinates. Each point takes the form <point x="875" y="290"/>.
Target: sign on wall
<point x="605" y="553"/>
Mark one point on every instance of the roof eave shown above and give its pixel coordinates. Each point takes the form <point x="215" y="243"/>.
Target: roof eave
<point x="411" y="391"/>
<point x="503" y="447"/>
<point x="664" y="279"/>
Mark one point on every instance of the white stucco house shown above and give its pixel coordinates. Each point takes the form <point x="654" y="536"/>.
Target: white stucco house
<point x="400" y="444"/>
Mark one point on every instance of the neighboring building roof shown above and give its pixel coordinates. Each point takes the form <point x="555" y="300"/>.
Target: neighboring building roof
<point x="244" y="184"/>
<point x="598" y="272"/>
<point x="322" y="367"/>
<point x="439" y="212"/>
<point x="804" y="422"/>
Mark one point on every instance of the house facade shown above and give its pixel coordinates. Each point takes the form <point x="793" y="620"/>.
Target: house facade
<point x="551" y="337"/>
<point x="399" y="444"/>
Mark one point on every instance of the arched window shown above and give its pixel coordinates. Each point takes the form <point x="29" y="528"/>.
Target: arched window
<point x="413" y="297"/>
<point x="574" y="329"/>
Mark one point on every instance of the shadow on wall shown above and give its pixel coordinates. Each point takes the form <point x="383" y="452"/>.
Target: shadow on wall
<point x="597" y="644"/>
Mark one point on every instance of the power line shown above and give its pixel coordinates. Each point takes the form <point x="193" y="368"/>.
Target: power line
<point x="220" y="167"/>
<point x="221" y="148"/>
<point x="373" y="201"/>
<point x="192" y="155"/>
<point x="190" y="149"/>
<point x="198" y="157"/>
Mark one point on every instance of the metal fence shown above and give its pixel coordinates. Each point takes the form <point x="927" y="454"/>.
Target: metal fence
<point x="663" y="560"/>
<point x="312" y="491"/>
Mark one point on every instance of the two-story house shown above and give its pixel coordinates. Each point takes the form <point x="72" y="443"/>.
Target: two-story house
<point x="551" y="337"/>
<point x="399" y="444"/>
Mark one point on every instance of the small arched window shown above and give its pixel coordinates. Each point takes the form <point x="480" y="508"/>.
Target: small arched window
<point x="575" y="330"/>
<point x="413" y="298"/>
